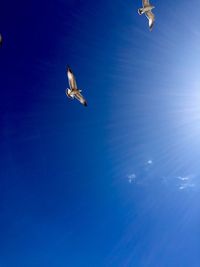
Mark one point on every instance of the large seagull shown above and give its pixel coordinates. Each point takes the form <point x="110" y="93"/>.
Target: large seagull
<point x="146" y="9"/>
<point x="73" y="92"/>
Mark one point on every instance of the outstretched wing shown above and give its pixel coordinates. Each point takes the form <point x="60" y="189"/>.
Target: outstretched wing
<point x="72" y="79"/>
<point x="151" y="18"/>
<point x="145" y="3"/>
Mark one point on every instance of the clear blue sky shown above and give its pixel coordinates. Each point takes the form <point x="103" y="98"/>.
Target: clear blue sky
<point x="115" y="184"/>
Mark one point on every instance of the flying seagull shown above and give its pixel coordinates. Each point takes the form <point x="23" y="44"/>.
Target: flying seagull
<point x="73" y="92"/>
<point x="146" y="9"/>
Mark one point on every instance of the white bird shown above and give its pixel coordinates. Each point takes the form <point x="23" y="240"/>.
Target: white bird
<point x="146" y="9"/>
<point x="74" y="92"/>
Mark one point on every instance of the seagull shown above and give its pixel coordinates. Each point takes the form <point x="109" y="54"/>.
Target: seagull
<point x="146" y="9"/>
<point x="74" y="92"/>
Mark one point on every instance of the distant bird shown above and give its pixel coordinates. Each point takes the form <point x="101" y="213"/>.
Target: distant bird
<point x="1" y="40"/>
<point x="146" y="9"/>
<point x="74" y="92"/>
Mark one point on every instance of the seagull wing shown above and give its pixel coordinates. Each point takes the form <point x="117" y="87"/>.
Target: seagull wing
<point x="151" y="19"/>
<point x="80" y="98"/>
<point x="72" y="80"/>
<point x="145" y="3"/>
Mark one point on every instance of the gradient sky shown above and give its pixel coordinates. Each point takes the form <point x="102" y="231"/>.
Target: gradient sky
<point x="115" y="184"/>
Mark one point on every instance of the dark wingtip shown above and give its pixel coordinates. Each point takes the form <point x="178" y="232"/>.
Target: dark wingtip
<point x="68" y="68"/>
<point x="85" y="104"/>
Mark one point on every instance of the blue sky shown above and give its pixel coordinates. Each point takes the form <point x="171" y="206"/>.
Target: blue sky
<point x="116" y="183"/>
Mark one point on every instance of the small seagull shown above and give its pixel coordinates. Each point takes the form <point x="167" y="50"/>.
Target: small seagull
<point x="146" y="9"/>
<point x="74" y="92"/>
<point x="183" y="178"/>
